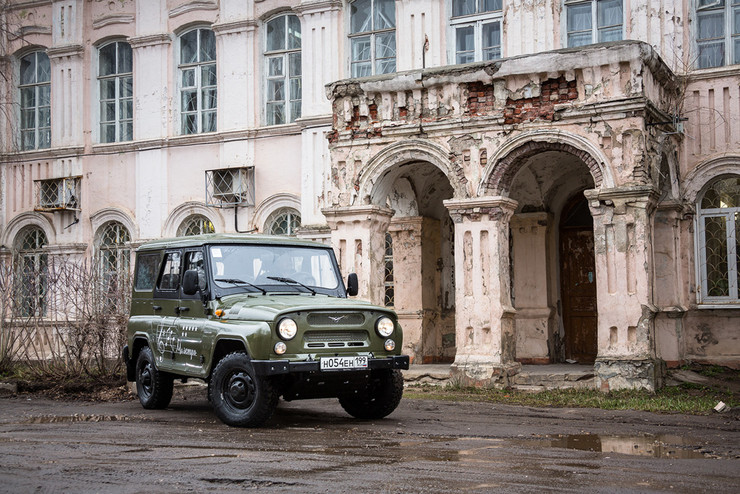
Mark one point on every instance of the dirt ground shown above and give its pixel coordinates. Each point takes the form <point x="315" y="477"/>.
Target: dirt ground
<point x="313" y="446"/>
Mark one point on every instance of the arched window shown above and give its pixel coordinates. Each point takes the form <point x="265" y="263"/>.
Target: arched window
<point x="719" y="241"/>
<point x="283" y="222"/>
<point x="115" y="80"/>
<point x="31" y="272"/>
<point x="197" y="71"/>
<point x="372" y="37"/>
<point x="283" y="69"/>
<point x="196" y="224"/>
<point x="114" y="251"/>
<point x="35" y="88"/>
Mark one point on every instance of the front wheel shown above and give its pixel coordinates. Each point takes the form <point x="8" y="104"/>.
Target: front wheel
<point x="379" y="399"/>
<point x="240" y="397"/>
<point x="153" y="386"/>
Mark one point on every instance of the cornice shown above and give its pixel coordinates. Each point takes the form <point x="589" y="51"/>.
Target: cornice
<point x="195" y="5"/>
<point x="150" y="40"/>
<point x="235" y="27"/>
<point x="65" y="51"/>
<point x="112" y="19"/>
<point x="318" y="7"/>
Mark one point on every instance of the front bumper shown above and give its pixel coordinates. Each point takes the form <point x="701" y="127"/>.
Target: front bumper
<point x="279" y="367"/>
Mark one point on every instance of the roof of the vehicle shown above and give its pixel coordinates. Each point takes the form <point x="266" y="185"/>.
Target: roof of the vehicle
<point x="226" y="238"/>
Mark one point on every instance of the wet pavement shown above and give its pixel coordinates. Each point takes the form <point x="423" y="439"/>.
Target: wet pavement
<point x="313" y="446"/>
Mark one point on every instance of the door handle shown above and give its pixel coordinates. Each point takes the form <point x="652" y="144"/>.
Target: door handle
<point x="181" y="309"/>
<point x="156" y="307"/>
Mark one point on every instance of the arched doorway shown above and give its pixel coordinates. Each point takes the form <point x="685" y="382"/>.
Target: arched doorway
<point x="578" y="281"/>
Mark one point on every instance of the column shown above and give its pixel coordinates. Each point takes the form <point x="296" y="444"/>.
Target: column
<point x="530" y="284"/>
<point x="624" y="268"/>
<point x="358" y="238"/>
<point x="484" y="316"/>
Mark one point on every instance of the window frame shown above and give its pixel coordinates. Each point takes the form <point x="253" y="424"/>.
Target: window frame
<point x="120" y="251"/>
<point x="35" y="292"/>
<point x="373" y="35"/>
<point x="292" y="214"/>
<point x="732" y="220"/>
<point x="477" y="21"/>
<point x="117" y="99"/>
<point x="37" y="107"/>
<point x="190" y="221"/>
<point x="595" y="28"/>
<point x="285" y="53"/>
<point x="730" y="39"/>
<point x="197" y="87"/>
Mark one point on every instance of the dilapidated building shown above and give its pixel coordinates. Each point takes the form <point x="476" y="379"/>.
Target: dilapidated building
<point x="524" y="182"/>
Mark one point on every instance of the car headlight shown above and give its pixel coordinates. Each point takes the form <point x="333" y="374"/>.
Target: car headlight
<point x="280" y="348"/>
<point x="384" y="326"/>
<point x="287" y="328"/>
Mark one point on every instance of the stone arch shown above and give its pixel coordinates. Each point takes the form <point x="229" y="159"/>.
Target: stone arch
<point x="511" y="157"/>
<point x="103" y="216"/>
<point x="370" y="184"/>
<point x="24" y="220"/>
<point x="272" y="204"/>
<point x="181" y="212"/>
<point x="699" y="177"/>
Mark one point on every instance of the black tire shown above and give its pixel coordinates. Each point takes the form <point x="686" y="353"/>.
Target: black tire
<point x="239" y="397"/>
<point x="379" y="399"/>
<point x="153" y="386"/>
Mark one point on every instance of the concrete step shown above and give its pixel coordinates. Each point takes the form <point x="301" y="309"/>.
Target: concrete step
<point x="435" y="374"/>
<point x="556" y="376"/>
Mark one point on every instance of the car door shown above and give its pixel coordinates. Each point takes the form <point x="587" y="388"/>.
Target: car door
<point x="166" y="300"/>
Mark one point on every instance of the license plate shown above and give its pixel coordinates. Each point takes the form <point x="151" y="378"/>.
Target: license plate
<point x="343" y="363"/>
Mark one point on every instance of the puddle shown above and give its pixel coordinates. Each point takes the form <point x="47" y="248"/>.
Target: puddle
<point x="57" y="419"/>
<point x="656" y="446"/>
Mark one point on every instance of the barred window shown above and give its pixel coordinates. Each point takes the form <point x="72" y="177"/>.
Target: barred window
<point x="113" y="250"/>
<point x="477" y="27"/>
<point x="197" y="69"/>
<point x="35" y="89"/>
<point x="593" y="21"/>
<point x="388" y="282"/>
<point x="115" y="79"/>
<point x="283" y="69"/>
<point x="717" y="32"/>
<point x="31" y="272"/>
<point x="196" y="224"/>
<point x="719" y="241"/>
<point x="372" y="37"/>
<point x="283" y="222"/>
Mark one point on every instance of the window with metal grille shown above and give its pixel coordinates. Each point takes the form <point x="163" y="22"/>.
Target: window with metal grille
<point x="115" y="80"/>
<point x="35" y="98"/>
<point x="284" y="221"/>
<point x="477" y="27"/>
<point x="31" y="272"/>
<point x="372" y="37"/>
<point x="197" y="70"/>
<point x="388" y="282"/>
<point x="230" y="186"/>
<point x="283" y="69"/>
<point x="57" y="194"/>
<point x="717" y="32"/>
<point x="719" y="241"/>
<point x="593" y="21"/>
<point x="196" y="224"/>
<point x="113" y="250"/>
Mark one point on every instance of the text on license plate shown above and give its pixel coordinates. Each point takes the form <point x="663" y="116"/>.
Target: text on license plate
<point x="339" y="363"/>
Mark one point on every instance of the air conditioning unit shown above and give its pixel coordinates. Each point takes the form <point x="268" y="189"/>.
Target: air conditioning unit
<point x="230" y="186"/>
<point x="59" y="194"/>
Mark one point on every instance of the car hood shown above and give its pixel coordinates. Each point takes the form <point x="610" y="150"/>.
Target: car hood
<point x="257" y="307"/>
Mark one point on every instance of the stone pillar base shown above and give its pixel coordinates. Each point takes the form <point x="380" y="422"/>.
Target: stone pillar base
<point x="613" y="374"/>
<point x="483" y="373"/>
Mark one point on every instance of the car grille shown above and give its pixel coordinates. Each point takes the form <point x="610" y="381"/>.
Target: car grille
<point x="335" y="339"/>
<point x="336" y="319"/>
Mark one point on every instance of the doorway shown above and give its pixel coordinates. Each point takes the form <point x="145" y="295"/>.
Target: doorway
<point x="578" y="281"/>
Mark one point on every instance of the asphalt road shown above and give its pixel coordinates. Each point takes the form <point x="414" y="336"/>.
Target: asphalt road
<point x="313" y="446"/>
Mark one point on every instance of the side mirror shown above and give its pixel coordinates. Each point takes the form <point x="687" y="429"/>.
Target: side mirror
<point x="352" y="284"/>
<point x="190" y="282"/>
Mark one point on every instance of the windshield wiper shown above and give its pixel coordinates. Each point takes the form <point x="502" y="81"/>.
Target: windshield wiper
<point x="236" y="281"/>
<point x="289" y="281"/>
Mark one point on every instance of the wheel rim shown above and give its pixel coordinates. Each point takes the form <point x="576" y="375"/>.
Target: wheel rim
<point x="239" y="390"/>
<point x="145" y="378"/>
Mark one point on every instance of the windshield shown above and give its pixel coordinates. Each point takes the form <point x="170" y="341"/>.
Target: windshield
<point x="261" y="264"/>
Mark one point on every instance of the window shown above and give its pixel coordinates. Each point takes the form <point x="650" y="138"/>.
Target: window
<point x="170" y="279"/>
<point x="283" y="69"/>
<point x="477" y="27"/>
<point x="196" y="224"/>
<point x="230" y="186"/>
<point x="593" y="21"/>
<point x="31" y="274"/>
<point x="146" y="271"/>
<point x="57" y="194"/>
<point x="388" y="282"/>
<point x="114" y="253"/>
<point x="718" y="32"/>
<point x="283" y="222"/>
<point x="35" y="87"/>
<point x="719" y="241"/>
<point x="115" y="80"/>
<point x="198" y="81"/>
<point x="372" y="37"/>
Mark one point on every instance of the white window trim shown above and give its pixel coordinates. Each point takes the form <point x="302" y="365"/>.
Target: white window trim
<point x="477" y="21"/>
<point x="729" y="36"/>
<point x="285" y="53"/>
<point x="19" y="114"/>
<point x="97" y="134"/>
<point x="349" y="36"/>
<point x="177" y="121"/>
<point x="594" y="22"/>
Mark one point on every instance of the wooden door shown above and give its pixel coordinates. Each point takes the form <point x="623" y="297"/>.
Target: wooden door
<point x="578" y="283"/>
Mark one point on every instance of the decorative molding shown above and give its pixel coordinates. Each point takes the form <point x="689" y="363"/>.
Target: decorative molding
<point x="195" y="5"/>
<point x="272" y="204"/>
<point x="43" y="154"/>
<point x="65" y="51"/>
<point x="150" y="40"/>
<point x="318" y="7"/>
<point x="235" y="27"/>
<point x="190" y="208"/>
<point x="312" y="121"/>
<point x="119" y="214"/>
<point x="112" y="19"/>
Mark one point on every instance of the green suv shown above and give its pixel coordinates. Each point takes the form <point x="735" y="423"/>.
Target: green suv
<point x="257" y="318"/>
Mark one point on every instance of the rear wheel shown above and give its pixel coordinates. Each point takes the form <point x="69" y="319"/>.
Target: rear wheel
<point x="379" y="399"/>
<point x="240" y="397"/>
<point x="153" y="386"/>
